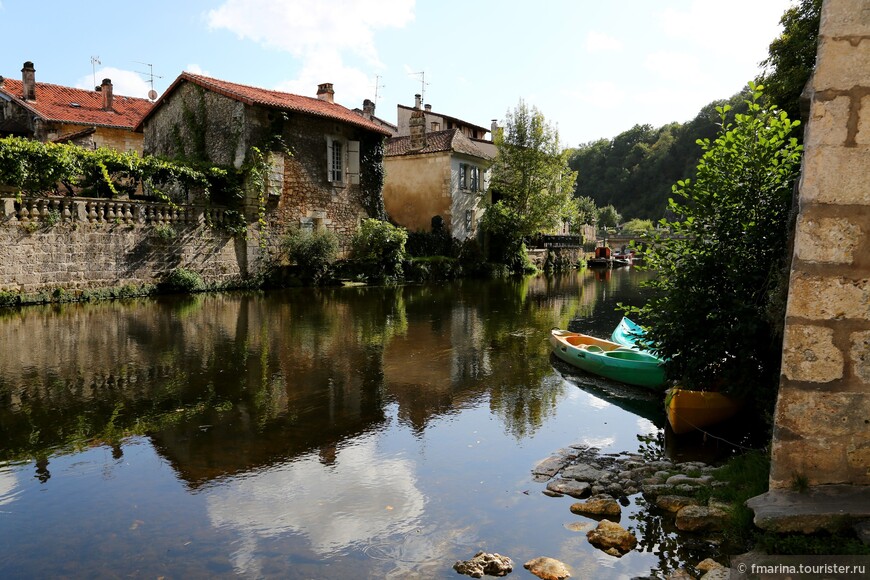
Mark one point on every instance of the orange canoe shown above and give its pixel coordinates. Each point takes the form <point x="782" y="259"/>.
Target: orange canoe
<point x="690" y="410"/>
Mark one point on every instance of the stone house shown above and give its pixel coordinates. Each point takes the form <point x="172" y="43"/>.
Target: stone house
<point x="48" y="112"/>
<point x="437" y="167"/>
<point x="326" y="162"/>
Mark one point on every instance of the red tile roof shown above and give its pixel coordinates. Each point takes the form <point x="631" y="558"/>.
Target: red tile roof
<point x="61" y="104"/>
<point x="273" y="99"/>
<point x="436" y="142"/>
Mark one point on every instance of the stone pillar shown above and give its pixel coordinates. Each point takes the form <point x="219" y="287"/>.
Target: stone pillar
<point x="822" y="420"/>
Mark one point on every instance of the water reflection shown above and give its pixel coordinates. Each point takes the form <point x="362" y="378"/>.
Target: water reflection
<point x="301" y="424"/>
<point x="368" y="496"/>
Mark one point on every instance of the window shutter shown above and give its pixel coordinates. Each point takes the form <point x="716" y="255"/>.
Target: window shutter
<point x="329" y="159"/>
<point x="353" y="162"/>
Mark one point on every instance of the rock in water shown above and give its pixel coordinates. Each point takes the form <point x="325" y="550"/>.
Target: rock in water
<point x="611" y="535"/>
<point x="547" y="568"/>
<point x="483" y="563"/>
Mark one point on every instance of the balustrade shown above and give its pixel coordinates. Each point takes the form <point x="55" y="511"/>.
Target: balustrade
<point x="52" y="210"/>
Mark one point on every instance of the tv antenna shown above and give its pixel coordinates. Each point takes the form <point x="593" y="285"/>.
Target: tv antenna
<point x="378" y="86"/>
<point x="152" y="94"/>
<point x="95" y="60"/>
<point x="423" y="85"/>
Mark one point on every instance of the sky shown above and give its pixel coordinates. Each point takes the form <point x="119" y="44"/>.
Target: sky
<point x="594" y="68"/>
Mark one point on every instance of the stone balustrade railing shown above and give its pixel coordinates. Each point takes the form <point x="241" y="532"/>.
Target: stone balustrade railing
<point x="106" y="211"/>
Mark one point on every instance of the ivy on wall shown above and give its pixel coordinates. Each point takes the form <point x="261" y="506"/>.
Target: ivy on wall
<point x="371" y="181"/>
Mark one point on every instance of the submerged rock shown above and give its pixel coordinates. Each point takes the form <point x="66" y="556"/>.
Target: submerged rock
<point x="578" y="489"/>
<point x="611" y="535"/>
<point x="547" y="568"/>
<point x="695" y="518"/>
<point x="674" y="503"/>
<point x="483" y="563"/>
<point x="600" y="506"/>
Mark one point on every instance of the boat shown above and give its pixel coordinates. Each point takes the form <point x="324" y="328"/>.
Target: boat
<point x="627" y="333"/>
<point x="609" y="359"/>
<point x="602" y="259"/>
<point x="689" y="410"/>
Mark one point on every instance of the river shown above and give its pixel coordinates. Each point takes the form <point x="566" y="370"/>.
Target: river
<point x="356" y="432"/>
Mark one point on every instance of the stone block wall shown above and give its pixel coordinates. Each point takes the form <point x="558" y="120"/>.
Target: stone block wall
<point x="822" y="421"/>
<point x="79" y="244"/>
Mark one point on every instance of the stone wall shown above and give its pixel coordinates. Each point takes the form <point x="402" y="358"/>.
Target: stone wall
<point x="822" y="421"/>
<point x="78" y="244"/>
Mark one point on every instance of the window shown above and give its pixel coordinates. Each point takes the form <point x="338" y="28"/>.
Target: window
<point x="342" y="158"/>
<point x="469" y="177"/>
<point x="336" y="169"/>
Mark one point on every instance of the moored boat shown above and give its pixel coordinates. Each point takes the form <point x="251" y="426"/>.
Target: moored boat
<point x="627" y="333"/>
<point x="608" y="359"/>
<point x="689" y="410"/>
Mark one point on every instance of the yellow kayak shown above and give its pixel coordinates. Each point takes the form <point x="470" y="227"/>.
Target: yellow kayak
<point x="690" y="410"/>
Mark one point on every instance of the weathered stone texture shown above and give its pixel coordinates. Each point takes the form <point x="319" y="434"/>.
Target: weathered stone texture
<point x="828" y="415"/>
<point x="823" y="434"/>
<point x="819" y="298"/>
<point x="836" y="175"/>
<point x="831" y="240"/>
<point x="846" y="64"/>
<point x="826" y="125"/>
<point x="860" y="356"/>
<point x="809" y="354"/>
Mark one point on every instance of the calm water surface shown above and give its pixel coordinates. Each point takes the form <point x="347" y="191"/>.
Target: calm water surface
<point x="340" y="433"/>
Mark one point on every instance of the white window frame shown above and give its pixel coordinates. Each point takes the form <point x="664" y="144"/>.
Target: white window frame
<point x="342" y="161"/>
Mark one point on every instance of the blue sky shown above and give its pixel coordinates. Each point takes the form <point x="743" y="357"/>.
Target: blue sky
<point x="593" y="68"/>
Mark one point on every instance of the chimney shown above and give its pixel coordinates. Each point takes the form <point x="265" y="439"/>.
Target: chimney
<point x="325" y="92"/>
<point x="427" y="107"/>
<point x="493" y="129"/>
<point x="368" y="109"/>
<point x="418" y="101"/>
<point x="28" y="81"/>
<point x="417" y="129"/>
<point x="106" y="91"/>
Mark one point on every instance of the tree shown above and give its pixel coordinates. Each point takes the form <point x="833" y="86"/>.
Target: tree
<point x="608" y="217"/>
<point x="587" y="212"/>
<point x="531" y="179"/>
<point x="792" y="56"/>
<point x="716" y="278"/>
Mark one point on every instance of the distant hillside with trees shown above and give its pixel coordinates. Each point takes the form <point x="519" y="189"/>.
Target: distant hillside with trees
<point x="635" y="171"/>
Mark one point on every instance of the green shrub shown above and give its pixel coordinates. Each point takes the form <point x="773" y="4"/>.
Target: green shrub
<point x="165" y="232"/>
<point x="431" y="268"/>
<point x="182" y="280"/>
<point x="436" y="243"/>
<point x="381" y="246"/>
<point x="313" y="252"/>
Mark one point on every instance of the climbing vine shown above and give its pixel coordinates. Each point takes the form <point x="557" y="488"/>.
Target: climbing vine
<point x="371" y="181"/>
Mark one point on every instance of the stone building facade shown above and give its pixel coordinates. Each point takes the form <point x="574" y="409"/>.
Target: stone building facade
<point x="822" y="421"/>
<point x="325" y="160"/>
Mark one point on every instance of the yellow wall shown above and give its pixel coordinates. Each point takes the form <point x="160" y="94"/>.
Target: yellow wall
<point x="417" y="188"/>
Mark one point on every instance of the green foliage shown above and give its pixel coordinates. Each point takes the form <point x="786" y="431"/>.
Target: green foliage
<point x="717" y="274"/>
<point x="435" y="243"/>
<point x="381" y="245"/>
<point x="501" y="226"/>
<point x="635" y="170"/>
<point x="165" y="232"/>
<point x="637" y="226"/>
<point x="530" y="178"/>
<point x="608" y="217"/>
<point x="182" y="280"/>
<point x="371" y="179"/>
<point x="587" y="211"/>
<point x="792" y="56"/>
<point x="432" y="268"/>
<point x="312" y="251"/>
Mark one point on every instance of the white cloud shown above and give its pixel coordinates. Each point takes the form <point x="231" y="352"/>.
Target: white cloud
<point x="197" y="70"/>
<point x="124" y="82"/>
<point x="599" y="94"/>
<point x="597" y="42"/>
<point x="304" y="27"/>
<point x="351" y="85"/>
